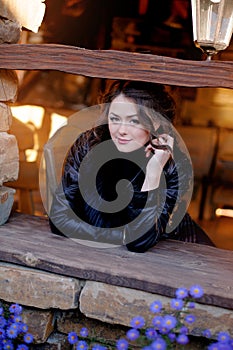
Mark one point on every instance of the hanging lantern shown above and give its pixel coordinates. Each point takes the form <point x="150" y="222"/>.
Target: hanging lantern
<point x="212" y="24"/>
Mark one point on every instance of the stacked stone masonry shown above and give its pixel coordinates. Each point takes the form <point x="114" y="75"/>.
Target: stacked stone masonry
<point x="13" y="16"/>
<point x="54" y="305"/>
<point x="9" y="155"/>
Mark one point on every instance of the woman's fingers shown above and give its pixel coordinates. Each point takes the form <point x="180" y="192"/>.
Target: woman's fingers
<point x="166" y="139"/>
<point x="164" y="142"/>
<point x="149" y="149"/>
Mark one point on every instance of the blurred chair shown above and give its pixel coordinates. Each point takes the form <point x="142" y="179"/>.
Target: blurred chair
<point x="222" y="188"/>
<point x="28" y="179"/>
<point x="201" y="143"/>
<point x="55" y="151"/>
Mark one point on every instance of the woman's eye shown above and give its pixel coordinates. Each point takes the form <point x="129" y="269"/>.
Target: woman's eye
<point x="134" y="121"/>
<point x="114" y="119"/>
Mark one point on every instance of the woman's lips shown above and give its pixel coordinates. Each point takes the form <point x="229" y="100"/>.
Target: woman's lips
<point x="123" y="141"/>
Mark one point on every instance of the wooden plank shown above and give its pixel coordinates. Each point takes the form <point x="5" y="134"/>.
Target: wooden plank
<point x="113" y="64"/>
<point x="27" y="240"/>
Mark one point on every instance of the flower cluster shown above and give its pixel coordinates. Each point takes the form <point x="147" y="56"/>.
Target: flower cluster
<point x="166" y="331"/>
<point x="13" y="331"/>
<point x="224" y="342"/>
<point x="81" y="344"/>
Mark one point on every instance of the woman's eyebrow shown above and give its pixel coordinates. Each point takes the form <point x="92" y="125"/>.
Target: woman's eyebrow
<point x="128" y="116"/>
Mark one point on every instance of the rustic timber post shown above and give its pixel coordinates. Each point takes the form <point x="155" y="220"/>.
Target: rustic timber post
<point x="13" y="15"/>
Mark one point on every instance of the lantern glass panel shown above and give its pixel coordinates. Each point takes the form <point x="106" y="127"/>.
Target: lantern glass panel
<point x="212" y="23"/>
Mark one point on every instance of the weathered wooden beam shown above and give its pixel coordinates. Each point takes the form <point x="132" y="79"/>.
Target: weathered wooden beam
<point x="26" y="240"/>
<point x="113" y="64"/>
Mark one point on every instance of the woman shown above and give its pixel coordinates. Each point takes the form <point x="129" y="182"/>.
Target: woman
<point x="128" y="180"/>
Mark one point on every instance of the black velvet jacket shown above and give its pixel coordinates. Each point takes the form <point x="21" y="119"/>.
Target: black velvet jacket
<point x="80" y="211"/>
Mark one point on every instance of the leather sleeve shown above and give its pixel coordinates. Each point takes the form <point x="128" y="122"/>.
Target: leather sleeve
<point x="150" y="225"/>
<point x="67" y="208"/>
<point x="165" y="209"/>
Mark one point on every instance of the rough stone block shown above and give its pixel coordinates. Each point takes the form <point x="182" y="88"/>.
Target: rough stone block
<point x="40" y="323"/>
<point x="28" y="13"/>
<point x="114" y="304"/>
<point x="118" y="305"/>
<point x="9" y="158"/>
<point x="57" y="341"/>
<point x="74" y="321"/>
<point x="8" y="84"/>
<point x="6" y="203"/>
<point x="5" y="116"/>
<point x="36" y="288"/>
<point x="9" y="31"/>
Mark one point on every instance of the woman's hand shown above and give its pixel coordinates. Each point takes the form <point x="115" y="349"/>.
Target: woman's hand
<point x="161" y="150"/>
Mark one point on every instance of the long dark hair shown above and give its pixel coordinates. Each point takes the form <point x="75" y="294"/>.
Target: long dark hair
<point x="149" y="95"/>
<point x="153" y="101"/>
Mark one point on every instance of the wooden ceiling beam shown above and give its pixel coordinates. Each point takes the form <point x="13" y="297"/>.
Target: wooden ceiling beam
<point x="112" y="64"/>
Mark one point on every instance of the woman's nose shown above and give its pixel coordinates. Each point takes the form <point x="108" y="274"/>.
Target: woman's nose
<point x="123" y="128"/>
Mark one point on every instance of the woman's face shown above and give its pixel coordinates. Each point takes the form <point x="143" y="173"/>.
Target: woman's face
<point x="125" y="128"/>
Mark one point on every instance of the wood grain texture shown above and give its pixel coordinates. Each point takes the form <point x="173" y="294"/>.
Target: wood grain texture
<point x="112" y="64"/>
<point x="26" y="240"/>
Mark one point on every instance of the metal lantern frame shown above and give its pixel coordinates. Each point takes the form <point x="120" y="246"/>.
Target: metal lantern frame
<point x="212" y="24"/>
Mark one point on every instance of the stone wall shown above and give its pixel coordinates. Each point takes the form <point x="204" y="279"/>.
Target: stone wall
<point x="9" y="158"/>
<point x="54" y="305"/>
<point x="13" y="16"/>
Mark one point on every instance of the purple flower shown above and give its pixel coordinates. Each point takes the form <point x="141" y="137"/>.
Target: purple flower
<point x="72" y="337"/>
<point x="132" y="334"/>
<point x="84" y="332"/>
<point x="22" y="347"/>
<point x="163" y="330"/>
<point x="8" y="345"/>
<point x="182" y="339"/>
<point x="223" y="337"/>
<point x="156" y="306"/>
<point x="206" y="333"/>
<point x="196" y="291"/>
<point x="169" y="322"/>
<point x="1" y="310"/>
<point x="122" y="344"/>
<point x="11" y="319"/>
<point x="28" y="338"/>
<point x="190" y="319"/>
<point x="157" y="321"/>
<point x="2" y="333"/>
<point x="82" y="345"/>
<point x="15" y="309"/>
<point x="12" y="332"/>
<point x="14" y="327"/>
<point x="99" y="347"/>
<point x="159" y="344"/>
<point x="172" y="337"/>
<point x="183" y="330"/>
<point x="2" y="322"/>
<point x="181" y="293"/>
<point x="177" y="304"/>
<point x="151" y="333"/>
<point x="191" y="305"/>
<point x="23" y="327"/>
<point x="17" y="319"/>
<point x="137" y="322"/>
